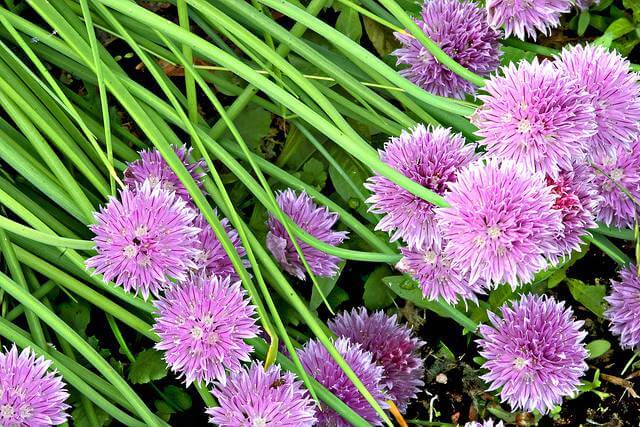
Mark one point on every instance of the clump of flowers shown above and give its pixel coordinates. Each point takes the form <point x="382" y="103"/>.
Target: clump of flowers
<point x="624" y="307"/>
<point x="318" y="363"/>
<point x="393" y="346"/>
<point x="430" y="156"/>
<point x="255" y="397"/>
<point x="202" y="326"/>
<point x="460" y="29"/>
<point x="607" y="76"/>
<point x="524" y="18"/>
<point x="535" y="353"/>
<point x="617" y="177"/>
<point x="500" y="222"/>
<point x="152" y="167"/>
<point x="536" y="116"/>
<point x="315" y="220"/>
<point x="437" y="276"/>
<point x="144" y="239"/>
<point x="211" y="257"/>
<point x="576" y="199"/>
<point x="485" y="423"/>
<point x="29" y="395"/>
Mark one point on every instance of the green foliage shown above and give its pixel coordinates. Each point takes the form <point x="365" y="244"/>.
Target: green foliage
<point x="148" y="366"/>
<point x="590" y="296"/>
<point x="597" y="348"/>
<point x="376" y="294"/>
<point x="76" y="314"/>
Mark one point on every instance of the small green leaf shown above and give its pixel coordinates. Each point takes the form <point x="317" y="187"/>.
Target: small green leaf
<point x="326" y="285"/>
<point x="148" y="366"/>
<point x="590" y="296"/>
<point x="253" y="125"/>
<point x="337" y="297"/>
<point x="376" y="294"/>
<point x="77" y="315"/>
<point x="348" y="23"/>
<point x="381" y="37"/>
<point x="583" y="22"/>
<point x="80" y="418"/>
<point x="178" y="397"/>
<point x="597" y="348"/>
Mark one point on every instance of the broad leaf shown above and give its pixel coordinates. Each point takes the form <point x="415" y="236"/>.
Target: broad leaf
<point x="148" y="366"/>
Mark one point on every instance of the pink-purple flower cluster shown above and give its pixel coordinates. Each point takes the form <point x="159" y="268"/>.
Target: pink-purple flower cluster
<point x="29" y="395"/>
<point x="461" y="30"/>
<point x="624" y="307"/>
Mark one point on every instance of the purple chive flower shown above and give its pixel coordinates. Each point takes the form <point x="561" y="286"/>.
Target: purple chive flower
<point x="144" y="239"/>
<point x="211" y="256"/>
<point x="536" y="116"/>
<point x="485" y="423"/>
<point x="624" y="307"/>
<point x="616" y="94"/>
<point x="523" y="18"/>
<point x="576" y="199"/>
<point x="313" y="219"/>
<point x="392" y="345"/>
<point x="320" y="365"/>
<point x="436" y="275"/>
<point x="29" y="395"/>
<point x="430" y="156"/>
<point x="255" y="398"/>
<point x="535" y="353"/>
<point x="460" y="29"/>
<point x="202" y="326"/>
<point x="153" y="167"/>
<point x="500" y="222"/>
<point x="613" y="173"/>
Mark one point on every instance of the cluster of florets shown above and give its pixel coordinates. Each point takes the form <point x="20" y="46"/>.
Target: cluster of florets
<point x="560" y="151"/>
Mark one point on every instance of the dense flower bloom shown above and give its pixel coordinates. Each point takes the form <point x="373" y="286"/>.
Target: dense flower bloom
<point x="576" y="199"/>
<point x="211" y="256"/>
<point x="313" y="219"/>
<point x="202" y="326"/>
<point x="624" y="307"/>
<point x="437" y="277"/>
<point x="500" y="222"/>
<point x="535" y="353"/>
<point x="536" y="116"/>
<point x="613" y="173"/>
<point x="392" y="345"/>
<point x="430" y="156"/>
<point x="153" y="167"/>
<point x="252" y="397"/>
<point x="485" y="423"/>
<point x="318" y="363"/>
<point x="460" y="29"/>
<point x="523" y="18"/>
<point x="607" y="76"/>
<point x="29" y="395"/>
<point x="144" y="239"/>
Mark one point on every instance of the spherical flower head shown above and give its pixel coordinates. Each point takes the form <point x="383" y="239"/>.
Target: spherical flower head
<point x="253" y="397"/>
<point x="500" y="222"/>
<point x="202" y="325"/>
<point x="318" y="363"/>
<point x="523" y="18"/>
<point x="536" y="116"/>
<point x="393" y="346"/>
<point x="616" y="176"/>
<point x="144" y="239"/>
<point x="485" y="423"/>
<point x="535" y="353"/>
<point x="624" y="307"/>
<point x="211" y="257"/>
<point x="577" y="199"/>
<point x="152" y="167"/>
<point x="437" y="276"/>
<point x="29" y="395"/>
<point x="607" y="76"/>
<point x="315" y="220"/>
<point x="431" y="157"/>
<point x="460" y="29"/>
